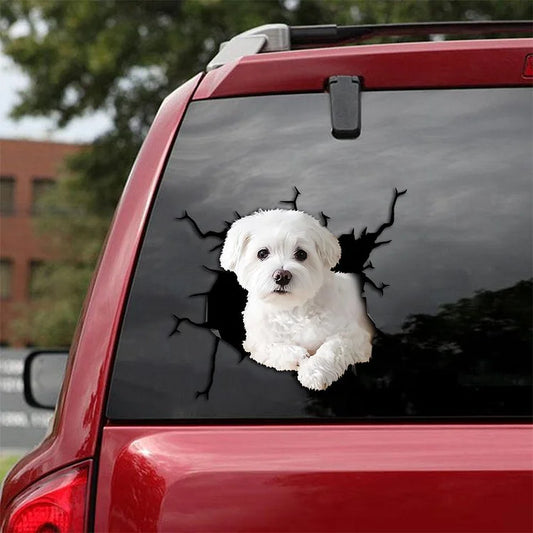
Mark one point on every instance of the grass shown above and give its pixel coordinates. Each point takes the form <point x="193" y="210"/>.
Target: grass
<point x="6" y="462"/>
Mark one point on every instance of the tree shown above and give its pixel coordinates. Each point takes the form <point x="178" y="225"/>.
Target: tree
<point x="124" y="57"/>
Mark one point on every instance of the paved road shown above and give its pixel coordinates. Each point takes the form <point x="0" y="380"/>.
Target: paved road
<point x="21" y="427"/>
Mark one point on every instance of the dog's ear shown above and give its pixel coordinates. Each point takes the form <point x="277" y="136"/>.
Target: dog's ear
<point x="328" y="246"/>
<point x="236" y="239"/>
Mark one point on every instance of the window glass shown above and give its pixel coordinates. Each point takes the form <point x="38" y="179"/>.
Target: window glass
<point x="41" y="187"/>
<point x="7" y="195"/>
<point x="35" y="288"/>
<point x="6" y="278"/>
<point x="432" y="206"/>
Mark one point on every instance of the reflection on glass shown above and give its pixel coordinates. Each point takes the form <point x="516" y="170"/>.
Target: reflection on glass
<point x="473" y="353"/>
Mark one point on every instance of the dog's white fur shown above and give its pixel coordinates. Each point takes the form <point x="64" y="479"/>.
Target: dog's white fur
<point x="318" y="326"/>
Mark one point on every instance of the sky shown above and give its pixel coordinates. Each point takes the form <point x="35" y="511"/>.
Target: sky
<point x="12" y="82"/>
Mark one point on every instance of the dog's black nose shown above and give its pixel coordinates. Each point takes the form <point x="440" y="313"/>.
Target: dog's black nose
<point x="282" y="277"/>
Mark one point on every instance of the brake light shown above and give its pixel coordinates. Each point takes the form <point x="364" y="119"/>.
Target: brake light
<point x="55" y="504"/>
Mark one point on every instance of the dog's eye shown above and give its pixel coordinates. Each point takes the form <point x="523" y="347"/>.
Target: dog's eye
<point x="300" y="255"/>
<point x="263" y="253"/>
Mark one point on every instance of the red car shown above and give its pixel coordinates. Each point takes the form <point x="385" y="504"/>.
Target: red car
<point x="417" y="156"/>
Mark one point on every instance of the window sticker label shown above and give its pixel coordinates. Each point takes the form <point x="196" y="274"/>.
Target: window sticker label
<point x="290" y="293"/>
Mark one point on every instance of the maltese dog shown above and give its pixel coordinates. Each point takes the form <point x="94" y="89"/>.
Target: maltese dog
<point x="299" y="314"/>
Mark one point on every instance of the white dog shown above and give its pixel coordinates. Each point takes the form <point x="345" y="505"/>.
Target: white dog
<point x="299" y="315"/>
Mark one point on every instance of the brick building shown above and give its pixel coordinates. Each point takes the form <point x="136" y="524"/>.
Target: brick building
<point x="28" y="169"/>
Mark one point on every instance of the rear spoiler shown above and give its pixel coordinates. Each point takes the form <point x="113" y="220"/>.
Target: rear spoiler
<point x="281" y="37"/>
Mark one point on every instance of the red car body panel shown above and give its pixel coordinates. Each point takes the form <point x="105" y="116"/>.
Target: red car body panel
<point x="312" y="478"/>
<point x="402" y="66"/>
<point x="369" y="478"/>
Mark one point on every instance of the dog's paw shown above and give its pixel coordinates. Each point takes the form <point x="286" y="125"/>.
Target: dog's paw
<point x="292" y="357"/>
<point x="312" y="374"/>
<point x="281" y="356"/>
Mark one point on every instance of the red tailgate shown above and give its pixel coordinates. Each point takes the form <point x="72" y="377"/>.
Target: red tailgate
<point x="311" y="478"/>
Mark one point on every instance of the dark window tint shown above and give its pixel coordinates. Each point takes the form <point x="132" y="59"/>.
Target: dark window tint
<point x="446" y="267"/>
<point x="7" y="195"/>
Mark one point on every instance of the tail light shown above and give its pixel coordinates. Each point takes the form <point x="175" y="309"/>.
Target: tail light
<point x="55" y="504"/>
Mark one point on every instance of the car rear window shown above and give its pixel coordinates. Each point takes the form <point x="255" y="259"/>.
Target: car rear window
<point x="435" y="196"/>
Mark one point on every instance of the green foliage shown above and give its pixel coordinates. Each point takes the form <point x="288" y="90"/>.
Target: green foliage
<point x="6" y="463"/>
<point x="123" y="57"/>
